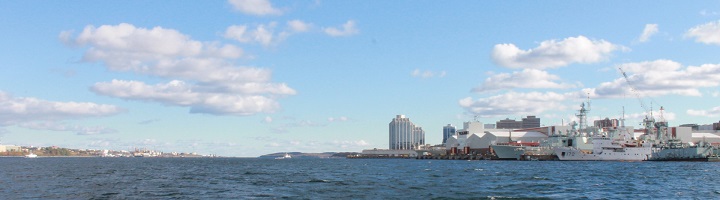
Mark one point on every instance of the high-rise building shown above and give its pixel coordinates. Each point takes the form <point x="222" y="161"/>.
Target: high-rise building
<point x="530" y="122"/>
<point x="448" y="131"/>
<point x="527" y="122"/>
<point x="404" y="134"/>
<point x="508" y="124"/>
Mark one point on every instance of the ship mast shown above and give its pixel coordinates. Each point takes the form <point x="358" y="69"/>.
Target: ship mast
<point x="582" y="116"/>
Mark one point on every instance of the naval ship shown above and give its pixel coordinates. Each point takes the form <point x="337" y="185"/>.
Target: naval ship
<point x="669" y="148"/>
<point x="575" y="138"/>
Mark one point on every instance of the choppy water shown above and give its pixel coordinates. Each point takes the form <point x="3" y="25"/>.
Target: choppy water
<point x="243" y="178"/>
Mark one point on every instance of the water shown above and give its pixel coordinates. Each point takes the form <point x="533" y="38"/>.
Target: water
<point x="243" y="178"/>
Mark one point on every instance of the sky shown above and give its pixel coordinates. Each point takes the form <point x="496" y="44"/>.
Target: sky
<point x="252" y="77"/>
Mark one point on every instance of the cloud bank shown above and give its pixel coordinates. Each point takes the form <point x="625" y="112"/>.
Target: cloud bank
<point x="527" y="78"/>
<point x="553" y="54"/>
<point x="203" y="74"/>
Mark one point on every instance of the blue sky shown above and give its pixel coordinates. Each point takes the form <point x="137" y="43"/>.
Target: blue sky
<point x="246" y="78"/>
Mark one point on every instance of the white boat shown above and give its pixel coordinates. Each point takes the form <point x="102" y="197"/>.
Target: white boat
<point x="605" y="148"/>
<point x="286" y="156"/>
<point x="31" y="155"/>
<point x="615" y="143"/>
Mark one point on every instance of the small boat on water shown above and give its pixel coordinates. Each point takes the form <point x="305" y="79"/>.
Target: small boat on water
<point x="286" y="156"/>
<point x="31" y="155"/>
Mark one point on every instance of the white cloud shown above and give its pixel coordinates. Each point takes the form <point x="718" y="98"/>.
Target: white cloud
<point x="650" y="30"/>
<point x="298" y="26"/>
<point x="337" y="119"/>
<point x="80" y="130"/>
<point x="268" y="119"/>
<point x="255" y="7"/>
<point x="707" y="33"/>
<point x="206" y="80"/>
<point x="660" y="77"/>
<point x="713" y="112"/>
<point x="709" y="13"/>
<point x="347" y="29"/>
<point x="527" y="78"/>
<point x="178" y="93"/>
<point x="553" y="54"/>
<point x="427" y="74"/>
<point x="513" y="103"/>
<point x="263" y="34"/>
<point x="17" y="110"/>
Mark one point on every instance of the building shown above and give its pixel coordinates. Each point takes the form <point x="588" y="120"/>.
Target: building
<point x="607" y="123"/>
<point x="716" y="126"/>
<point x="10" y="148"/>
<point x="448" y="131"/>
<point x="527" y="122"/>
<point x="508" y="124"/>
<point x="530" y="122"/>
<point x="404" y="134"/>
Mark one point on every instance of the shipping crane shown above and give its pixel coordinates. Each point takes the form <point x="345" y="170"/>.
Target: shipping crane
<point x="637" y="94"/>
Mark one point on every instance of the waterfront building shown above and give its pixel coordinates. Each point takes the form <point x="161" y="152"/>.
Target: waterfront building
<point x="403" y="134"/>
<point x="448" y="131"/>
<point x="9" y="148"/>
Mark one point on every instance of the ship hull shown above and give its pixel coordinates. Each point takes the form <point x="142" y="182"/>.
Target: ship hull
<point x="508" y="152"/>
<point x="624" y="154"/>
<point x="695" y="153"/>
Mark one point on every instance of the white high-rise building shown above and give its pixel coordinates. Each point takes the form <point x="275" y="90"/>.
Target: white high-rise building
<point x="404" y="134"/>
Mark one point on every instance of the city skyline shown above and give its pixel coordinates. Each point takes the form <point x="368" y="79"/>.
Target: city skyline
<point x="252" y="77"/>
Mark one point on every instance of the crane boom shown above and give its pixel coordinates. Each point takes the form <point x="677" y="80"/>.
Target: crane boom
<point x="637" y="94"/>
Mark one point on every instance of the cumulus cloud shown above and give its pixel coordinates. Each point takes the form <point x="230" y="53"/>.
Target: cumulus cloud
<point x="527" y="78"/>
<point x="553" y="54"/>
<point x="660" y="77"/>
<point x="203" y="75"/>
<point x="650" y="30"/>
<point x="255" y="7"/>
<point x="427" y="74"/>
<point x="17" y="110"/>
<point x="514" y="103"/>
<point x="713" y="112"/>
<point x="347" y="29"/>
<point x="708" y="33"/>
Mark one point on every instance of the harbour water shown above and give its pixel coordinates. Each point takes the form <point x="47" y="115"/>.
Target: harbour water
<point x="250" y="178"/>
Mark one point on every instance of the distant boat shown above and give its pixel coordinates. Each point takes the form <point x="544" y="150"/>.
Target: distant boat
<point x="286" y="156"/>
<point x="31" y="155"/>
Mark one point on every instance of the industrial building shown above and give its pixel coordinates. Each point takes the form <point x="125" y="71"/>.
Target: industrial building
<point x="475" y="138"/>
